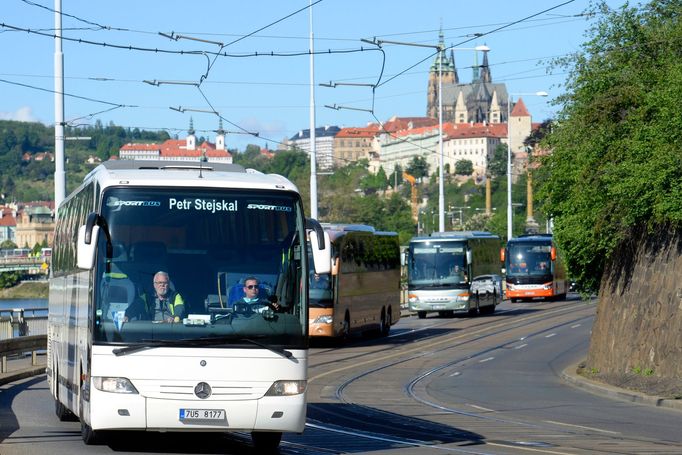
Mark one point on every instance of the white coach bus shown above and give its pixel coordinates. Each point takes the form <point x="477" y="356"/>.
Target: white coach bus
<point x="454" y="272"/>
<point x="117" y="363"/>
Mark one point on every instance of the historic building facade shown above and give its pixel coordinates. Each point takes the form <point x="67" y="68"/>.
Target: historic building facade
<point x="181" y="150"/>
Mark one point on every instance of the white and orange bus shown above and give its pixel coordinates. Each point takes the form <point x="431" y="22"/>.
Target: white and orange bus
<point x="533" y="268"/>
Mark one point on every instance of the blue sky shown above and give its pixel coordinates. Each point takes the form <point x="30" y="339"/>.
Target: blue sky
<point x="269" y="94"/>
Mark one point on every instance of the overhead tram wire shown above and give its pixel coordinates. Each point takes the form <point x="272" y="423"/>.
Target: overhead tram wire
<point x="478" y="35"/>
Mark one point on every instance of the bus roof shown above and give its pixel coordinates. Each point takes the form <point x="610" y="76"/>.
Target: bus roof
<point x="337" y="230"/>
<point x="545" y="238"/>
<point x="185" y="173"/>
<point x="456" y="235"/>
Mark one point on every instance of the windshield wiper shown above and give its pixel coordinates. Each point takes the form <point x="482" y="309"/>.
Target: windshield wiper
<point x="205" y="341"/>
<point x="151" y="344"/>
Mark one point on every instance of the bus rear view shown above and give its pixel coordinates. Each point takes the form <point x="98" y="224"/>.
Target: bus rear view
<point x="533" y="268"/>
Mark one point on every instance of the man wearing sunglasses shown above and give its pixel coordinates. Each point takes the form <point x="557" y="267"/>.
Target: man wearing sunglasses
<point x="258" y="303"/>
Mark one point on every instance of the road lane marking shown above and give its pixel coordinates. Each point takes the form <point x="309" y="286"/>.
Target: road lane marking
<point x="486" y="360"/>
<point x="481" y="408"/>
<point x="575" y="326"/>
<point x="583" y="427"/>
<point x="521" y="346"/>
<point x="550" y="335"/>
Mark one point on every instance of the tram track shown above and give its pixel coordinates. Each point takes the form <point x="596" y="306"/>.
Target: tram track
<point x="363" y="420"/>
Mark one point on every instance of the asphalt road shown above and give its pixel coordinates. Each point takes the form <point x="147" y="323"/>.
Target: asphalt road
<point x="484" y="385"/>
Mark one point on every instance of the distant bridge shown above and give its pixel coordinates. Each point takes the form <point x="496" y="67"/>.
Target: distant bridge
<point x="27" y="265"/>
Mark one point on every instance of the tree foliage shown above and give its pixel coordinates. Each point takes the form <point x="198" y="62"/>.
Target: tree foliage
<point x="418" y="167"/>
<point x="464" y="167"/>
<point x="616" y="159"/>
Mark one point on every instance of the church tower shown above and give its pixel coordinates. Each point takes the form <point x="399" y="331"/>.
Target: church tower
<point x="220" y="136"/>
<point x="446" y="66"/>
<point x="191" y="141"/>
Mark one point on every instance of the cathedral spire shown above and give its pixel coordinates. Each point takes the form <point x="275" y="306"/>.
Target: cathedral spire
<point x="448" y="66"/>
<point x="191" y="127"/>
<point x="485" y="69"/>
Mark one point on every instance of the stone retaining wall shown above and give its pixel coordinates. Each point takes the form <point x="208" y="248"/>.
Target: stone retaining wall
<point x="638" y="327"/>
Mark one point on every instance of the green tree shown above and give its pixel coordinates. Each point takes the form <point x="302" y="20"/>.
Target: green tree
<point x="615" y="164"/>
<point x="8" y="245"/>
<point x="497" y="166"/>
<point x="464" y="167"/>
<point x="418" y="167"/>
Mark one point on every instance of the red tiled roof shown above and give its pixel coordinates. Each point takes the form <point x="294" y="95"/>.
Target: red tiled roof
<point x="520" y="109"/>
<point x="421" y="130"/>
<point x="178" y="148"/>
<point x="137" y="147"/>
<point x="8" y="220"/>
<point x="368" y="131"/>
<point x="465" y="130"/>
<point x="402" y="123"/>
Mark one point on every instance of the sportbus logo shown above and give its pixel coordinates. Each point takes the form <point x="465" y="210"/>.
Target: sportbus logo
<point x="275" y="208"/>
<point x="118" y="203"/>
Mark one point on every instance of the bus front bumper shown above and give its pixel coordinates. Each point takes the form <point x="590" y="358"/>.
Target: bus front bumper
<point x="112" y="411"/>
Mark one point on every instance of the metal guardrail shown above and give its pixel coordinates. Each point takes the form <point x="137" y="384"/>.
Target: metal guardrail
<point x="21" y="345"/>
<point x="22" y="322"/>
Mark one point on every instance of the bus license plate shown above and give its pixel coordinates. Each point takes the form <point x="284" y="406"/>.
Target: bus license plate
<point x="202" y="414"/>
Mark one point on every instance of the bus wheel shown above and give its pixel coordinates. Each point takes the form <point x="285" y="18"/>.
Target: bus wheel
<point x="387" y="324"/>
<point x="345" y="331"/>
<point x="490" y="309"/>
<point x="473" y="310"/>
<point x="266" y="441"/>
<point x="62" y="412"/>
<point x="421" y="314"/>
<point x="90" y="436"/>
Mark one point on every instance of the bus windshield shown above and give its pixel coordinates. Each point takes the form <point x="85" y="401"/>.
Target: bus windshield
<point x="437" y="263"/>
<point x="529" y="259"/>
<point x="231" y="262"/>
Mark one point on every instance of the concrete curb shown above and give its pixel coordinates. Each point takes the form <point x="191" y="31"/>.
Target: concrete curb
<point x="12" y="376"/>
<point x="598" y="388"/>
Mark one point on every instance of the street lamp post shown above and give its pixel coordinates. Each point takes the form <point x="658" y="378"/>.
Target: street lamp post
<point x="440" y="47"/>
<point x="509" y="160"/>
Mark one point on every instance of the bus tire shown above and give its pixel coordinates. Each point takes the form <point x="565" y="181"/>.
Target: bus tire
<point x="473" y="310"/>
<point x="63" y="413"/>
<point x="490" y="309"/>
<point x="345" y="331"/>
<point x="421" y="314"/>
<point x="266" y="441"/>
<point x="387" y="324"/>
<point x="90" y="436"/>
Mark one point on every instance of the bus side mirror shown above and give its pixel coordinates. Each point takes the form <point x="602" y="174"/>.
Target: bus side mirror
<point x="322" y="254"/>
<point x="553" y="254"/>
<point x="501" y="254"/>
<point x="469" y="256"/>
<point x="86" y="246"/>
<point x="403" y="258"/>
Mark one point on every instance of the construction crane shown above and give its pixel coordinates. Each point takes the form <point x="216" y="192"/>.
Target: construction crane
<point x="413" y="184"/>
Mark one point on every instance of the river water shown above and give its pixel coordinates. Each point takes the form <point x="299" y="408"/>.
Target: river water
<point x="32" y="307"/>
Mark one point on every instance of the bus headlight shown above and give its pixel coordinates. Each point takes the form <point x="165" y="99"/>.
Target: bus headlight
<point x="326" y="319"/>
<point x="284" y="388"/>
<point x="463" y="297"/>
<point x="113" y="385"/>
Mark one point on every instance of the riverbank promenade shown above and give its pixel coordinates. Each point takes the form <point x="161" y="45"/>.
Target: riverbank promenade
<point x="20" y="367"/>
